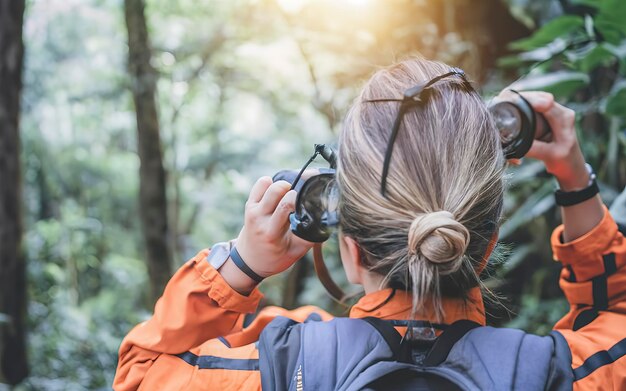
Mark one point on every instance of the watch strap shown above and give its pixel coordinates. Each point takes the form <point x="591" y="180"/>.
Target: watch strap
<point x="569" y="198"/>
<point x="239" y="262"/>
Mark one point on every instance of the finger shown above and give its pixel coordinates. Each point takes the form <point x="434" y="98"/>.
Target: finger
<point x="272" y="197"/>
<point x="259" y="188"/>
<point x="309" y="172"/>
<point x="279" y="222"/>
<point x="561" y="120"/>
<point x="539" y="150"/>
<point x="539" y="100"/>
<point x="515" y="162"/>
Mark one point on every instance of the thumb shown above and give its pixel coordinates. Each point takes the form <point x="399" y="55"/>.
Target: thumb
<point x="539" y="150"/>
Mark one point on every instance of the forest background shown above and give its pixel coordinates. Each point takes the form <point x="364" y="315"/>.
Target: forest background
<point x="131" y="132"/>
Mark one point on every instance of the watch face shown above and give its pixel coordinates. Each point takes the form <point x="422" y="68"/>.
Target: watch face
<point x="592" y="174"/>
<point x="219" y="254"/>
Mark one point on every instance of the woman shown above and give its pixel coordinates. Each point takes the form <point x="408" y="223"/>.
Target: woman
<point x="415" y="236"/>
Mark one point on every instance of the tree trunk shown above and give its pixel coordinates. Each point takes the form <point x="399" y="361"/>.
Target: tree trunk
<point x="488" y="26"/>
<point x="13" y="363"/>
<point x="152" y="197"/>
<point x="294" y="282"/>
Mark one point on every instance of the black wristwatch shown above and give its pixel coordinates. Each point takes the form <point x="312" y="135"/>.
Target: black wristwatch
<point x="569" y="198"/>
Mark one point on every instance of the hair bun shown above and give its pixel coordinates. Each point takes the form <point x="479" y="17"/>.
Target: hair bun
<point x="439" y="238"/>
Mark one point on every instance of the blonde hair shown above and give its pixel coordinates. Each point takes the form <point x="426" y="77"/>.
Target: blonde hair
<point x="432" y="229"/>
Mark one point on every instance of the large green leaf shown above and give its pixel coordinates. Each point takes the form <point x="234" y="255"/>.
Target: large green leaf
<point x="560" y="83"/>
<point x="588" y="3"/>
<point x="616" y="101"/>
<point x="619" y="51"/>
<point x="591" y="59"/>
<point x="611" y="20"/>
<point x="556" y="28"/>
<point x="610" y="31"/>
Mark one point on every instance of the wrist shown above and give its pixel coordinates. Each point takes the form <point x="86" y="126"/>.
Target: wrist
<point x="236" y="278"/>
<point x="575" y="182"/>
<point x="578" y="195"/>
<point x="572" y="174"/>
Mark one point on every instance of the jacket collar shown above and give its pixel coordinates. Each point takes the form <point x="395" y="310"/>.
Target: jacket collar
<point x="396" y="305"/>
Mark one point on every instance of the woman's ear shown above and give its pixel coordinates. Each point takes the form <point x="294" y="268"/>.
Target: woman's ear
<point x="351" y="258"/>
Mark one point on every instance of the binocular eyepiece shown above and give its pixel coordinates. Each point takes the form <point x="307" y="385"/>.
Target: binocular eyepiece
<point x="317" y="202"/>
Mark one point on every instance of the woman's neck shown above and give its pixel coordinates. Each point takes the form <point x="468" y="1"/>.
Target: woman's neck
<point x="371" y="281"/>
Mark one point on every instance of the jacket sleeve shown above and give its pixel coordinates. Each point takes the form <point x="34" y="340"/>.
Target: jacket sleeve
<point x="593" y="279"/>
<point x="197" y="305"/>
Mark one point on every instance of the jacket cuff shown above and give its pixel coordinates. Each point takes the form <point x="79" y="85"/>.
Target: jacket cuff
<point x="584" y="254"/>
<point x="222" y="293"/>
<point x="582" y="293"/>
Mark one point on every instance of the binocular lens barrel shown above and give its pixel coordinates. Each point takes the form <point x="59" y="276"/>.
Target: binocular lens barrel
<point x="518" y="123"/>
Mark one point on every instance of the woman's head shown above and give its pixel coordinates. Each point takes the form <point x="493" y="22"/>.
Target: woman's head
<point x="431" y="230"/>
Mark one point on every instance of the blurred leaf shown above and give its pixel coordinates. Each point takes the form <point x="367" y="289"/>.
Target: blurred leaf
<point x="539" y="316"/>
<point x="545" y="52"/>
<point x="560" y="83"/>
<point x="550" y="31"/>
<point x="589" y="26"/>
<point x="526" y="172"/>
<point x="597" y="56"/>
<point x="619" y="51"/>
<point x="618" y="208"/>
<point x="616" y="101"/>
<point x="610" y="20"/>
<point x="610" y="32"/>
<point x="538" y="203"/>
<point x="510" y="61"/>
<point x="588" y="3"/>
<point x="516" y="258"/>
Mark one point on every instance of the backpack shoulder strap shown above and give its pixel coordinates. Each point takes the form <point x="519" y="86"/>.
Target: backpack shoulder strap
<point x="447" y="339"/>
<point x="441" y="348"/>
<point x="391" y="336"/>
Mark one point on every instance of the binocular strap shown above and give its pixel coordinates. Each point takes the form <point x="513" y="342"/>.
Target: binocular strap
<point x="324" y="275"/>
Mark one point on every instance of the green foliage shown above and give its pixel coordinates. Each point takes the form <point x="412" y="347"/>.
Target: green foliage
<point x="559" y="83"/>
<point x="616" y="101"/>
<point x="556" y="28"/>
<point x="581" y="61"/>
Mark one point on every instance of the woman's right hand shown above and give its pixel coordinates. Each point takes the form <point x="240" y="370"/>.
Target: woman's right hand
<point x="266" y="242"/>
<point x="564" y="159"/>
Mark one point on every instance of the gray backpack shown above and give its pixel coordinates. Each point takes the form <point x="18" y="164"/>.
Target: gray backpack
<point x="369" y="354"/>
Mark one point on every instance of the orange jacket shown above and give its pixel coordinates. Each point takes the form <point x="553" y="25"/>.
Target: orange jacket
<point x="196" y="339"/>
